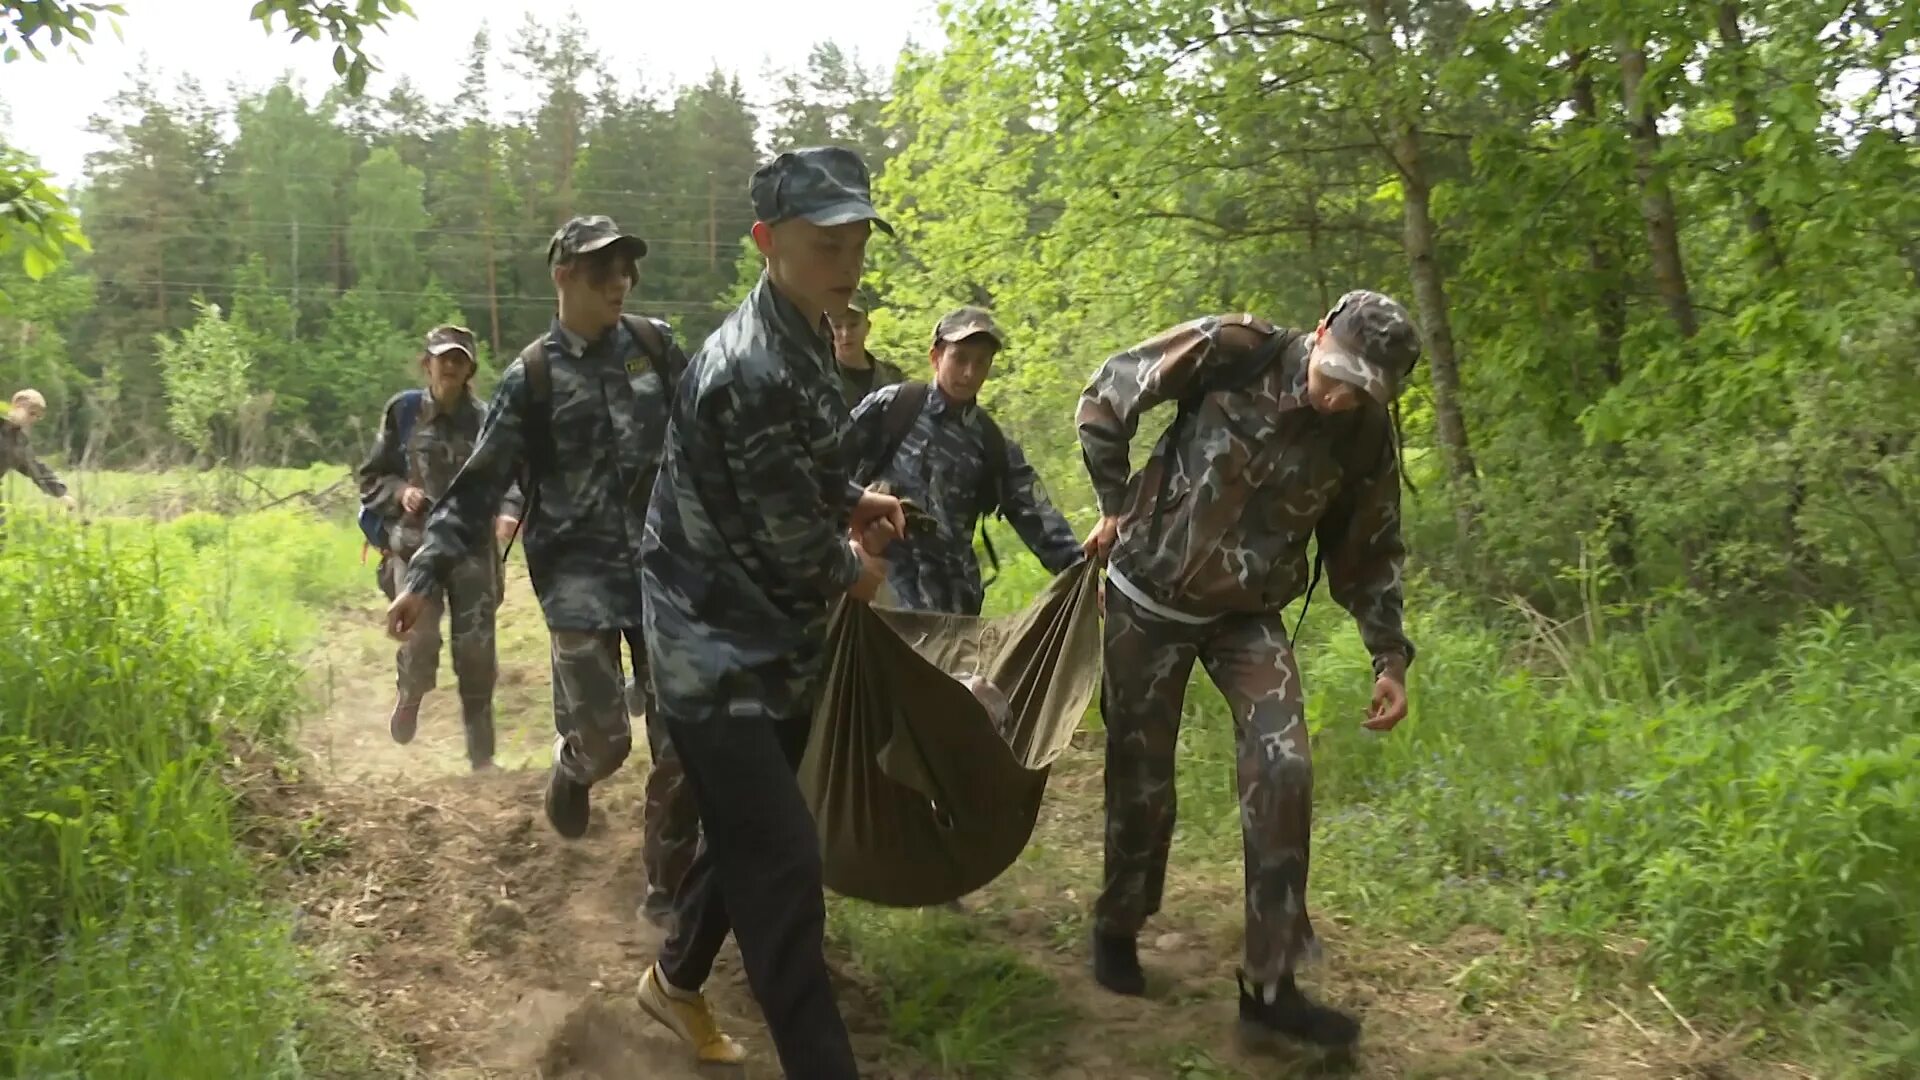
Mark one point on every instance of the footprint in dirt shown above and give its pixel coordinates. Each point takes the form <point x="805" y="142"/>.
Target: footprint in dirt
<point x="560" y="1037"/>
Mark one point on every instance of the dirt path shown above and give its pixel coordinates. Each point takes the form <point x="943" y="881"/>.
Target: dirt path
<point x="473" y="942"/>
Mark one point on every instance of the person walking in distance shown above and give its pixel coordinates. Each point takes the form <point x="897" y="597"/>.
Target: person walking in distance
<point x="584" y="410"/>
<point x="425" y="436"/>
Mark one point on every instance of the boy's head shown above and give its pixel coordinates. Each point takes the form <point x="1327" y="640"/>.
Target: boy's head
<point x="594" y="266"/>
<point x="814" y="212"/>
<point x="964" y="346"/>
<point x="27" y="409"/>
<point x="1365" y="345"/>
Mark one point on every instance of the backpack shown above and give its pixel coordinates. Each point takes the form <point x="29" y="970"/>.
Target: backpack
<point x="902" y="411"/>
<point x="372" y="525"/>
<point x="1235" y="375"/>
<point x="537" y="444"/>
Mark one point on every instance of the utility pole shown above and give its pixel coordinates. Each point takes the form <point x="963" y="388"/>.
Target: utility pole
<point x="713" y="224"/>
<point x="293" y="328"/>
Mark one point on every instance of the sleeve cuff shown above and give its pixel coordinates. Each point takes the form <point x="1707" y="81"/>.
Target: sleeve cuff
<point x="1113" y="503"/>
<point x="1392" y="663"/>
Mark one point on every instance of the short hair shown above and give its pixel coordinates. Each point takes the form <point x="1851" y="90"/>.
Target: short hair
<point x="29" y="396"/>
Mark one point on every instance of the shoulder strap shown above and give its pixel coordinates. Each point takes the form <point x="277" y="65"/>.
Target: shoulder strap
<point x="409" y="411"/>
<point x="654" y="344"/>
<point x="901" y="412"/>
<point x="536" y="442"/>
<point x="996" y="473"/>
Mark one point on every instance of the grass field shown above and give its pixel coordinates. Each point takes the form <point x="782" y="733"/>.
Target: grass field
<point x="1612" y="817"/>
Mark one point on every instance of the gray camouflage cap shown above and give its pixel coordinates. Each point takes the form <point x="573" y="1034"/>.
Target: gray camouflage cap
<point x="827" y="185"/>
<point x="1371" y="343"/>
<point x="582" y="235"/>
<point x="966" y="322"/>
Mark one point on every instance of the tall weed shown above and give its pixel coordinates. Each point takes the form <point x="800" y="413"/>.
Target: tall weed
<point x="132" y="942"/>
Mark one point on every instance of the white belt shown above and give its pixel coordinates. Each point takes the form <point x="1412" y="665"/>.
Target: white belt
<point x="1133" y="593"/>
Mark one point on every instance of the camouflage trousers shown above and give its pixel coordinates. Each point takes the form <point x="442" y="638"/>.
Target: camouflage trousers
<point x="1147" y="661"/>
<point x="671" y="828"/>
<point x="469" y="599"/>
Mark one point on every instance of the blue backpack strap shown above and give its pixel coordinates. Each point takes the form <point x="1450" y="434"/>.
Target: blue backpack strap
<point x="410" y="402"/>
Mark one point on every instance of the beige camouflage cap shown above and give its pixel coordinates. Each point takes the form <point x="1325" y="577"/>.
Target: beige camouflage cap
<point x="1371" y="343"/>
<point x="966" y="322"/>
<point x="445" y="339"/>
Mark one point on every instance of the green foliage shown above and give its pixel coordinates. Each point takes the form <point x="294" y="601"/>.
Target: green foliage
<point x="964" y="1005"/>
<point x="21" y="23"/>
<point x="205" y="373"/>
<point x="35" y="221"/>
<point x="122" y="676"/>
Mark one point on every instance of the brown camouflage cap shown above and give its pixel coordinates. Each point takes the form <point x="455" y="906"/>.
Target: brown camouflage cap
<point x="1371" y="343"/>
<point x="445" y="339"/>
<point x="582" y="235"/>
<point x="827" y="185"/>
<point x="966" y="322"/>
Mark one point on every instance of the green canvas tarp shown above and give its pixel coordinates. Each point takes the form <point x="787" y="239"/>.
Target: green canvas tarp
<point x="925" y="789"/>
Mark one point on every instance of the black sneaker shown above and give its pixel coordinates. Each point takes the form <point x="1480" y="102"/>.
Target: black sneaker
<point x="1116" y="964"/>
<point x="1282" y="1009"/>
<point x="567" y="805"/>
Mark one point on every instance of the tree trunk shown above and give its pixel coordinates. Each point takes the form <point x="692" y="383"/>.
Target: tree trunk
<point x="1610" y="331"/>
<point x="1746" y="125"/>
<point x="1429" y="285"/>
<point x="1656" y="198"/>
<point x="486" y="227"/>
<point x="1315" y="255"/>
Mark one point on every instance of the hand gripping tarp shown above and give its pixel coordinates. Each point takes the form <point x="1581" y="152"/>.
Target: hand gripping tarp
<point x="925" y="789"/>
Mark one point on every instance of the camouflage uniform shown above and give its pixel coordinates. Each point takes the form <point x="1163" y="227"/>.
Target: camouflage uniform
<point x="857" y="383"/>
<point x="1257" y="473"/>
<point x="608" y="418"/>
<point x="942" y="466"/>
<point x="435" y="449"/>
<point x="746" y="548"/>
<point x="16" y="455"/>
<point x="745" y="556"/>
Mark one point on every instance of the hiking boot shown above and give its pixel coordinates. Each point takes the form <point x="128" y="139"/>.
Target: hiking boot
<point x="405" y="719"/>
<point x="567" y="805"/>
<point x="687" y="1014"/>
<point x="1281" y="1009"/>
<point x="1116" y="964"/>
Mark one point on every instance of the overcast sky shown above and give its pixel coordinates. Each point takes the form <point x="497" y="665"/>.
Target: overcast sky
<point x="647" y="43"/>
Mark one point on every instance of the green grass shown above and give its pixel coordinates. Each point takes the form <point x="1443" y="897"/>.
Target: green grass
<point x="171" y="492"/>
<point x="959" y="1001"/>
<point x="133" y="939"/>
<point x="1736" y="821"/>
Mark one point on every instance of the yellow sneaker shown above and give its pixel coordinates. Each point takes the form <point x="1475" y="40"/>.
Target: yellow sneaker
<point x="690" y="1017"/>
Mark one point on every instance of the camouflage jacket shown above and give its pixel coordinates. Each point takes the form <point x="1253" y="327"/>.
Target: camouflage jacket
<point x="856" y="384"/>
<point x="16" y="455"/>
<point x="942" y="465"/>
<point x="746" y="550"/>
<point x="582" y="541"/>
<point x="1258" y="472"/>
<point x="438" y="445"/>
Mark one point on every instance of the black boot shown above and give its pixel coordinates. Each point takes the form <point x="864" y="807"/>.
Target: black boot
<point x="1282" y="1009"/>
<point x="1116" y="964"/>
<point x="477" y="717"/>
<point x="568" y="807"/>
